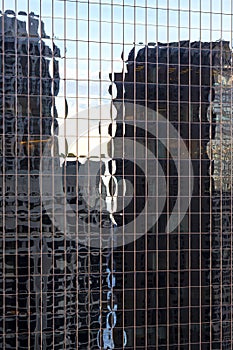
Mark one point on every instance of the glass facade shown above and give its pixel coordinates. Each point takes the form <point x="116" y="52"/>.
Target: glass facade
<point x="116" y="174"/>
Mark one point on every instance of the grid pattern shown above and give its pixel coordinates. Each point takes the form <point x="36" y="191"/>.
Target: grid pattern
<point x="69" y="282"/>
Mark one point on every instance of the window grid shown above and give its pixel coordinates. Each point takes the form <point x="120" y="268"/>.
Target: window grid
<point x="161" y="290"/>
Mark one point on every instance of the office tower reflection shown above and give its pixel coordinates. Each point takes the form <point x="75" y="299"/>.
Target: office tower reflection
<point x="55" y="291"/>
<point x="38" y="265"/>
<point x="172" y="280"/>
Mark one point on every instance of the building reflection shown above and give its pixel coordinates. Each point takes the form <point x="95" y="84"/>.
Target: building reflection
<point x="177" y="293"/>
<point x="55" y="292"/>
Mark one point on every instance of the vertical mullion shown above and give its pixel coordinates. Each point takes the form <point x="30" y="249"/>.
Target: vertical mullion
<point x="178" y="199"/>
<point x="200" y="184"/>
<point x="89" y="182"/>
<point x="231" y="201"/>
<point x="157" y="200"/>
<point x="53" y="202"/>
<point x="190" y="210"/>
<point x="100" y="156"/>
<point x="123" y="247"/>
<point x="222" y="196"/>
<point x="134" y="243"/>
<point x="65" y="174"/>
<point x="77" y="183"/>
<point x="146" y="176"/>
<point x="15" y="175"/>
<point x="169" y="235"/>
<point x="3" y="182"/>
<point x="211" y="185"/>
